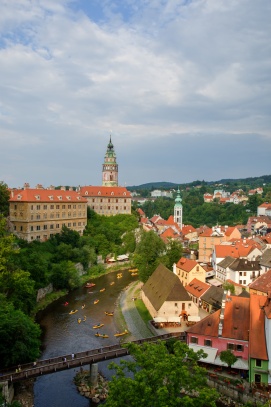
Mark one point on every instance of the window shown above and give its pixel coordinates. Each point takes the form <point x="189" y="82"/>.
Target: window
<point x="44" y="227"/>
<point x="176" y="304"/>
<point x="14" y="227"/>
<point x="45" y="216"/>
<point x="69" y="206"/>
<point x="207" y="342"/>
<point x="258" y="363"/>
<point x="194" y="339"/>
<point x="38" y="227"/>
<point x="38" y="207"/>
<point x="32" y="207"/>
<point x="51" y="226"/>
<point x="239" y="348"/>
<point x="63" y="206"/>
<point x="57" y="225"/>
<point x="44" y="206"/>
<point x="230" y="346"/>
<point x="57" y="206"/>
<point x="31" y="228"/>
<point x="258" y="378"/>
<point x="38" y="216"/>
<point x="52" y="206"/>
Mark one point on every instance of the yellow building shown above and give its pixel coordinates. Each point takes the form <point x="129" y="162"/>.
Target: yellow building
<point x="186" y="270"/>
<point x="215" y="236"/>
<point x="108" y="201"/>
<point x="37" y="214"/>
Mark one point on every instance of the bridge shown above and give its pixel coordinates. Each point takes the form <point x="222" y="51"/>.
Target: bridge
<point x="64" y="362"/>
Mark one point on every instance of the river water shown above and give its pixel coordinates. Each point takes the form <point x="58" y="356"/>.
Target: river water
<point x="64" y="335"/>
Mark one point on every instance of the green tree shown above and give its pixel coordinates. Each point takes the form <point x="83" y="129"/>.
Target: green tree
<point x="174" y="252"/>
<point x="148" y="254"/>
<point x="228" y="357"/>
<point x="4" y="199"/>
<point x="20" y="336"/>
<point x="158" y="376"/>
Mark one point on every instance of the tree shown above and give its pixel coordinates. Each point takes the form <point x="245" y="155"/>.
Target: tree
<point x="174" y="252"/>
<point x="20" y="336"/>
<point x="148" y="254"/>
<point x="228" y="357"/>
<point x="158" y="376"/>
<point x="4" y="199"/>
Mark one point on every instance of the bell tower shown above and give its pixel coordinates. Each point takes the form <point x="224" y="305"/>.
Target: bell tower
<point x="178" y="210"/>
<point x="110" y="167"/>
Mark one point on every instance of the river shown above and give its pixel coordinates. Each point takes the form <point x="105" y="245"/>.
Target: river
<point x="62" y="334"/>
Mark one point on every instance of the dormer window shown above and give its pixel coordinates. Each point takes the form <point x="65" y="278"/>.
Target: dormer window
<point x="99" y="193"/>
<point x="60" y="198"/>
<point x="69" y="198"/>
<point x="86" y="193"/>
<point x="37" y="197"/>
<point x="112" y="193"/>
<point x="51" y="197"/>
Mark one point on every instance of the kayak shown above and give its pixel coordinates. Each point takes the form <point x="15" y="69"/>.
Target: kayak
<point x="121" y="333"/>
<point x="109" y="313"/>
<point x="102" y="290"/>
<point x="101" y="335"/>
<point x="73" y="311"/>
<point x="97" y="326"/>
<point x="96" y="301"/>
<point x="88" y="285"/>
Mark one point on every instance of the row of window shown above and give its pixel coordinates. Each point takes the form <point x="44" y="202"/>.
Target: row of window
<point x="113" y="208"/>
<point x="45" y="207"/>
<point x="52" y="226"/>
<point x="106" y="200"/>
<point x="208" y="342"/>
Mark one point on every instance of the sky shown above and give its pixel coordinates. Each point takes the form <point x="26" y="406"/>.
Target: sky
<point x="182" y="86"/>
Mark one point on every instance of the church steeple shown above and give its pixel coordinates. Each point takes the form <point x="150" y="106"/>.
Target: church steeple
<point x="178" y="210"/>
<point x="110" y="167"/>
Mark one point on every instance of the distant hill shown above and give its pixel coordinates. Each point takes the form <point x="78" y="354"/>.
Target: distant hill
<point x="251" y="181"/>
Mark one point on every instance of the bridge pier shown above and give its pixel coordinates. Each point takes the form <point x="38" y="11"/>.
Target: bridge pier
<point x="93" y="374"/>
<point x="7" y="392"/>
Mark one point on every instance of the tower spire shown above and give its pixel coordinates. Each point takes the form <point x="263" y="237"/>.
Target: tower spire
<point x="110" y="166"/>
<point x="178" y="210"/>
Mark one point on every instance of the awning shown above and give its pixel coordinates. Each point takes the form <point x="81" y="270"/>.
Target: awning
<point x="193" y="318"/>
<point x="159" y="319"/>
<point x="174" y="319"/>
<point x="211" y="352"/>
<point x="239" y="364"/>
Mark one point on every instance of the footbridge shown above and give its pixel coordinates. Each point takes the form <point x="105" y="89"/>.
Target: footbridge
<point x="64" y="362"/>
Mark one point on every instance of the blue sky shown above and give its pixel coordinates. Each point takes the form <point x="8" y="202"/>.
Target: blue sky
<point x="184" y="87"/>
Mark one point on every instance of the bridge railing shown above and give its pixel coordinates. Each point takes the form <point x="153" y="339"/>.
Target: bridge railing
<point x="51" y="365"/>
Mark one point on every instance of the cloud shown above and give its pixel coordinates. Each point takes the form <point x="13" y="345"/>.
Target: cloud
<point x="154" y="74"/>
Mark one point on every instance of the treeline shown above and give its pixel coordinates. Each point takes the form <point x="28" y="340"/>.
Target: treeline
<point x="196" y="212"/>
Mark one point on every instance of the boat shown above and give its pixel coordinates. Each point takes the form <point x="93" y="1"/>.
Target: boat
<point x="79" y="320"/>
<point x="134" y="274"/>
<point x="113" y="282"/>
<point x="101" y="335"/>
<point x="102" y="290"/>
<point x="88" y="285"/>
<point x="121" y="333"/>
<point x="85" y="318"/>
<point x="65" y="304"/>
<point x="96" y="302"/>
<point x="109" y="313"/>
<point x="73" y="311"/>
<point x="119" y="275"/>
<point x="83" y="306"/>
<point x="97" y="326"/>
<point x="133" y="270"/>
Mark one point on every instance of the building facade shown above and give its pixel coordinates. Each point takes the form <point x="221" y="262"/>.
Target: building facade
<point x="110" y="167"/>
<point x="38" y="214"/>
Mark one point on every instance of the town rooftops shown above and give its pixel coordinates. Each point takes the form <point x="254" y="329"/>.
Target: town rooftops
<point x="257" y="342"/>
<point x="197" y="288"/>
<point x="262" y="283"/>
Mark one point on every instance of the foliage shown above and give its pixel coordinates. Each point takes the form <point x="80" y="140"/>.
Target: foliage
<point x="228" y="357"/>
<point x="174" y="253"/>
<point x="148" y="254"/>
<point x="20" y="336"/>
<point x="229" y="287"/>
<point x="3" y="402"/>
<point x="4" y="199"/>
<point x="158" y="377"/>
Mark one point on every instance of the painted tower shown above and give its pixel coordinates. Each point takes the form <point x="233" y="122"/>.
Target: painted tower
<point x="178" y="210"/>
<point x="110" y="167"/>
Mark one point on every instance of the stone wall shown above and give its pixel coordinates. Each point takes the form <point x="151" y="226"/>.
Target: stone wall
<point x="43" y="291"/>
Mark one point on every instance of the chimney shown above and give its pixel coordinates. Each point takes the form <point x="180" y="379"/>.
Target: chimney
<point x="221" y="321"/>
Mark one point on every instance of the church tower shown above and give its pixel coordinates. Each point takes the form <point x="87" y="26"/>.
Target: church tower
<point x="110" y="167"/>
<point x="178" y="210"/>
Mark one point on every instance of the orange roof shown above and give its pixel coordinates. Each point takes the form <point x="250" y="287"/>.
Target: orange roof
<point x="197" y="288"/>
<point x="262" y="283"/>
<point x="169" y="233"/>
<point x="257" y="342"/>
<point x="45" y="195"/>
<point x="188" y="229"/>
<point x="235" y="323"/>
<point x="186" y="264"/>
<point x="105" y="192"/>
<point x="223" y="251"/>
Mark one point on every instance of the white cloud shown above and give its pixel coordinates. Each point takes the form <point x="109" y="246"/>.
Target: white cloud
<point x="74" y="71"/>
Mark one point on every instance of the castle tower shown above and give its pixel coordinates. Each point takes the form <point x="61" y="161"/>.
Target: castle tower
<point x="178" y="210"/>
<point x="110" y="167"/>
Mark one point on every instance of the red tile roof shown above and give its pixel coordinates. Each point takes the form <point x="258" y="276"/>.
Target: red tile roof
<point x="45" y="195"/>
<point x="186" y="264"/>
<point x="262" y="283"/>
<point x="188" y="229"/>
<point x="119" y="192"/>
<point x="197" y="288"/>
<point x="257" y="342"/>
